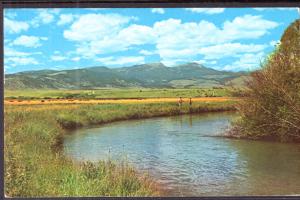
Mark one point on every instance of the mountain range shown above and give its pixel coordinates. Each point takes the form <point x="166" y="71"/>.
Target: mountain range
<point x="152" y="75"/>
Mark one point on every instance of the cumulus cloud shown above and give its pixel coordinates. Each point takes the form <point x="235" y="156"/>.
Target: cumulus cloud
<point x="15" y="61"/>
<point x="229" y="50"/>
<point x="247" y="27"/>
<point x="44" y="16"/>
<point x="129" y="60"/>
<point x="65" y="19"/>
<point x="209" y="11"/>
<point x="158" y="10"/>
<point x="28" y="41"/>
<point x="12" y="52"/>
<point x="76" y="59"/>
<point x="13" y="26"/>
<point x="108" y="38"/>
<point x="92" y="27"/>
<point x="246" y="62"/>
<point x="147" y="53"/>
<point x="175" y="41"/>
<point x="15" y="58"/>
<point x="58" y="58"/>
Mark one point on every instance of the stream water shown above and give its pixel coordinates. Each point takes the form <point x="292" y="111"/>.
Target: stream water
<point x="184" y="156"/>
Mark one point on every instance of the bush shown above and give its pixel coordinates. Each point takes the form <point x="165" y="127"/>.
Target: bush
<point x="272" y="108"/>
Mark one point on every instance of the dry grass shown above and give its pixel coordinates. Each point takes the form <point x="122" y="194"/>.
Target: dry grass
<point x="117" y="101"/>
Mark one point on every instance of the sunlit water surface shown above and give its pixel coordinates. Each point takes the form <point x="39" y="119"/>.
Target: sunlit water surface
<point x="180" y="154"/>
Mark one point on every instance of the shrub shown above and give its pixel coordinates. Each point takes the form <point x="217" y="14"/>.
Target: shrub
<point x="272" y="107"/>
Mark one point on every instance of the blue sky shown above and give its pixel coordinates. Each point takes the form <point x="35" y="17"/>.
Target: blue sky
<point x="231" y="39"/>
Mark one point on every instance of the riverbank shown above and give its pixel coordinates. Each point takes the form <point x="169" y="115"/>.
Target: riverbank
<point x="35" y="166"/>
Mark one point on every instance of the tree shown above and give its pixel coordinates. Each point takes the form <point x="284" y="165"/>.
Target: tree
<point x="271" y="109"/>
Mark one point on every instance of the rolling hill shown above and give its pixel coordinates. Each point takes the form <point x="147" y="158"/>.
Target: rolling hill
<point x="152" y="75"/>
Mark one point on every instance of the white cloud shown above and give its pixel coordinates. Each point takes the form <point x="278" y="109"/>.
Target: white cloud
<point x="13" y="26"/>
<point x="65" y="19"/>
<point x="229" y="50"/>
<point x="175" y="41"/>
<point x="14" y="58"/>
<point x="147" y="53"/>
<point x="8" y="52"/>
<point x="137" y="34"/>
<point x="247" y="27"/>
<point x="209" y="11"/>
<point x="97" y="33"/>
<point x="119" y="41"/>
<point x="246" y="62"/>
<point x="91" y="27"/>
<point x="28" y="41"/>
<point x="76" y="59"/>
<point x="130" y="60"/>
<point x="44" y="16"/>
<point x="158" y="10"/>
<point x="15" y="61"/>
<point x="58" y="58"/>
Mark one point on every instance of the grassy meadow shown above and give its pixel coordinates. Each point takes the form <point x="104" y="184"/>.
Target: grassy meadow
<point x="116" y="93"/>
<point x="36" y="167"/>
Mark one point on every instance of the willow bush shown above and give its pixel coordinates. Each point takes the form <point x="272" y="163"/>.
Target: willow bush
<point x="271" y="109"/>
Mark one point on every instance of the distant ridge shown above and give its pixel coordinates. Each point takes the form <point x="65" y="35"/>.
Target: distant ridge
<point x="151" y="75"/>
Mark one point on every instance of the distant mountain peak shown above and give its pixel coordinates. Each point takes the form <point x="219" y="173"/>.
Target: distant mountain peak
<point x="157" y="64"/>
<point x="152" y="75"/>
<point x="190" y="65"/>
<point x="152" y="65"/>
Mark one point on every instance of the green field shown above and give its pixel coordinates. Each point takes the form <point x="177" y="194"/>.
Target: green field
<point x="117" y="93"/>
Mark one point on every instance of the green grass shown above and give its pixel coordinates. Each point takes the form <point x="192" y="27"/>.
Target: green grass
<point x="119" y="93"/>
<point x="36" y="167"/>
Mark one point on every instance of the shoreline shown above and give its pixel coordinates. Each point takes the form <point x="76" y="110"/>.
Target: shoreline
<point x="42" y="142"/>
<point x="233" y="109"/>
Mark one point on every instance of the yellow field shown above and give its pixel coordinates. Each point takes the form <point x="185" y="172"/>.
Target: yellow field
<point x="116" y="101"/>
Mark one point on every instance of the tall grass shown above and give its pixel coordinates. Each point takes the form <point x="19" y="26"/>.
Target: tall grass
<point x="36" y="167"/>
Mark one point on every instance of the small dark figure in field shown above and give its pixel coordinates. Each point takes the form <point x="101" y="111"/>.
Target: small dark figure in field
<point x="180" y="101"/>
<point x="190" y="103"/>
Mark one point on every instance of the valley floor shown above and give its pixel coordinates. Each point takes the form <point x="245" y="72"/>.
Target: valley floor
<point x="117" y="101"/>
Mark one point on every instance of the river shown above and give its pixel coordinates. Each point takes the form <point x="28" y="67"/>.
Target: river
<point x="184" y="156"/>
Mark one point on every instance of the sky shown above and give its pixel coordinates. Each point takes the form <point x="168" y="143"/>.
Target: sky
<point x="231" y="39"/>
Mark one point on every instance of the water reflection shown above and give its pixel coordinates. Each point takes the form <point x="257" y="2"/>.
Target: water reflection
<point x="178" y="153"/>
